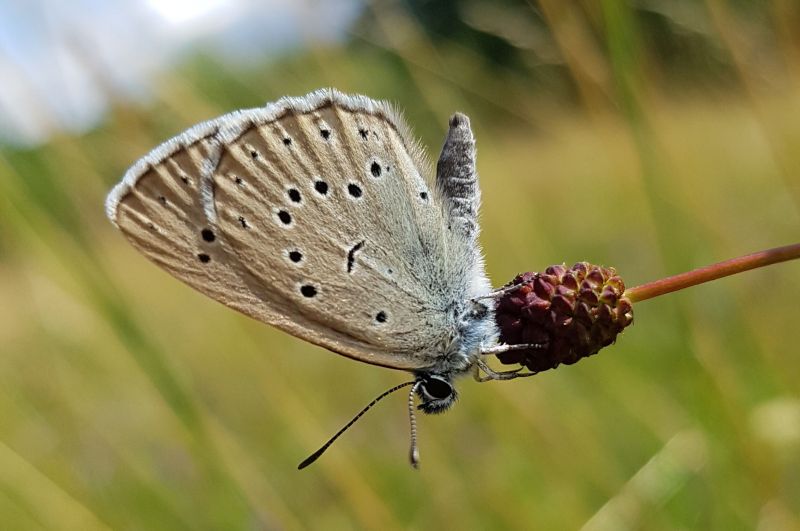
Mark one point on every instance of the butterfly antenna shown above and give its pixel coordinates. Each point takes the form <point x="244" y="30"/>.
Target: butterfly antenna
<point x="414" y="452"/>
<point x="313" y="457"/>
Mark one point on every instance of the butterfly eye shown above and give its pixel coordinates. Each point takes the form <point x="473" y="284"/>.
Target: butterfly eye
<point x="438" y="388"/>
<point x="437" y="394"/>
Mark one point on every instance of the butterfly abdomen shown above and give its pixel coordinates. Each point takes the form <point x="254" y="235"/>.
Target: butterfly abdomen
<point x="457" y="179"/>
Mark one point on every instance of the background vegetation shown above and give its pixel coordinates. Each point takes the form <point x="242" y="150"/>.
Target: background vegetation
<point x="652" y="136"/>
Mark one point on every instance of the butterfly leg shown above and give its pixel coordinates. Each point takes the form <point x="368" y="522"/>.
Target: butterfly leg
<point x="499" y="349"/>
<point x="491" y="374"/>
<point x="499" y="292"/>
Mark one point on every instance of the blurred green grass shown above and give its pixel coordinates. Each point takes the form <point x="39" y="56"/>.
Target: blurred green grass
<point x="129" y="401"/>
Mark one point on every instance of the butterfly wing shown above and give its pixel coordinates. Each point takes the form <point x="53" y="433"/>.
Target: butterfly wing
<point x="310" y="214"/>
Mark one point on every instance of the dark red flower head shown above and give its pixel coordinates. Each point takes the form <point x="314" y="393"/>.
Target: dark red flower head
<point x="572" y="313"/>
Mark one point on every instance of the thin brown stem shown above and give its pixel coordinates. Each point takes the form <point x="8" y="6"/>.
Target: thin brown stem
<point x="713" y="272"/>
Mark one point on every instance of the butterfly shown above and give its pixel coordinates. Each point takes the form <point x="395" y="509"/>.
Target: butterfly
<point x="315" y="214"/>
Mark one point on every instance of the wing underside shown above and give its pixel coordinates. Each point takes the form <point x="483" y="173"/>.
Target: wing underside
<point x="311" y="215"/>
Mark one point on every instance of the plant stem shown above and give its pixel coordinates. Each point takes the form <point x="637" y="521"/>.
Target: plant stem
<point x="713" y="272"/>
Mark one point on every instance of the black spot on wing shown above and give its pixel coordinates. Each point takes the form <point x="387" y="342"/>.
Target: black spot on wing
<point x="351" y="255"/>
<point x="308" y="291"/>
<point x="354" y="190"/>
<point x="208" y="235"/>
<point x="285" y="217"/>
<point x="321" y="187"/>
